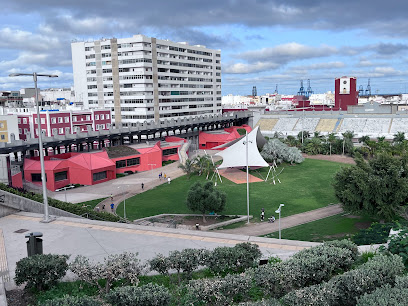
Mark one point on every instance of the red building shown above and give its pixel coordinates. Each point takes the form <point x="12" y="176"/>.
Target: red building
<point x="94" y="168"/>
<point x="345" y="92"/>
<point x="209" y="140"/>
<point x="56" y="122"/>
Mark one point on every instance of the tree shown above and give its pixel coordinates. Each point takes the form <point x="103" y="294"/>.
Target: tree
<point x="331" y="139"/>
<point x="277" y="151"/>
<point x="364" y="139"/>
<point x="378" y="187"/>
<point x="188" y="167"/>
<point x="313" y="146"/>
<point x="399" y="137"/>
<point x="205" y="198"/>
<point x="348" y="142"/>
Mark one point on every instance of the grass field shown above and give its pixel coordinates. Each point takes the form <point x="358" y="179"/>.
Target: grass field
<point x="304" y="187"/>
<point x="330" y="228"/>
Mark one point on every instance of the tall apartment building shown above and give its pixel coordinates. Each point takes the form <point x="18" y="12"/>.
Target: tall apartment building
<point x="144" y="78"/>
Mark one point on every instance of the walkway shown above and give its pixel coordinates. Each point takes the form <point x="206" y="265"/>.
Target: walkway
<point x="97" y="239"/>
<point x="264" y="228"/>
<point x="120" y="188"/>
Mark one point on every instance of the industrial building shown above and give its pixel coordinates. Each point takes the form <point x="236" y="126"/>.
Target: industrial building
<point x="143" y="78"/>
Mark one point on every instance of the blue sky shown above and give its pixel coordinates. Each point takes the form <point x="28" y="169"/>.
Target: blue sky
<point x="263" y="43"/>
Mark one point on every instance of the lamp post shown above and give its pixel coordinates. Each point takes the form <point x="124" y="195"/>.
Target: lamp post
<point x="278" y="211"/>
<point x="124" y="202"/>
<point x="247" y="171"/>
<point x="40" y="144"/>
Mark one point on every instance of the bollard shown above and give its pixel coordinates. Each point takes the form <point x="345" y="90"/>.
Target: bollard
<point x="197" y="226"/>
<point x="34" y="243"/>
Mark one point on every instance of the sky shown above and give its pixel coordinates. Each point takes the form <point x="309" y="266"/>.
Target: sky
<point x="263" y="43"/>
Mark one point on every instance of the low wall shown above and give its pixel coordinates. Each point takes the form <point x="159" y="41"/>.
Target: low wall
<point x="191" y="227"/>
<point x="11" y="203"/>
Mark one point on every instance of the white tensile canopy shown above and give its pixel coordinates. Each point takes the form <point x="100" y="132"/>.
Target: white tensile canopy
<point x="235" y="155"/>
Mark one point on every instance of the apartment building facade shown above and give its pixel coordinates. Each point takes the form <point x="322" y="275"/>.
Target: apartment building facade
<point x="143" y="78"/>
<point x="56" y="122"/>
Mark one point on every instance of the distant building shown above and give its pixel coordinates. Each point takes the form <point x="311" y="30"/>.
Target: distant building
<point x="55" y="122"/>
<point x="143" y="78"/>
<point x="8" y="128"/>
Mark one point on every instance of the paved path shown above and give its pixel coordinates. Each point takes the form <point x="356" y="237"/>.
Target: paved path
<point x="97" y="239"/>
<point x="263" y="228"/>
<point x="120" y="188"/>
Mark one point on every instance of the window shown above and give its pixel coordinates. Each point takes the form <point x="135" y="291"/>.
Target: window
<point x="99" y="176"/>
<point x="42" y="120"/>
<point x="3" y="137"/>
<point x="107" y="116"/>
<point x="60" y="176"/>
<point x="53" y="120"/>
<point x="36" y="177"/>
<point x="169" y="151"/>
<point x="61" y="131"/>
<point x="88" y="117"/>
<point x="19" y="120"/>
<point x="102" y="117"/>
<point x="121" y="164"/>
<point x="54" y="132"/>
<point x="25" y="120"/>
<point x="66" y="119"/>
<point x="96" y="117"/>
<point x="19" y="131"/>
<point x="74" y="119"/>
<point x="60" y="120"/>
<point x="133" y="161"/>
<point x="25" y="131"/>
<point x="67" y="130"/>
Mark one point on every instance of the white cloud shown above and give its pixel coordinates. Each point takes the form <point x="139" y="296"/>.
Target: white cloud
<point x="18" y="39"/>
<point x="249" y="68"/>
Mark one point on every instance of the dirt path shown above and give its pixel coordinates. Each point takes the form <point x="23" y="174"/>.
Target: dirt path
<point x="335" y="158"/>
<point x="263" y="228"/>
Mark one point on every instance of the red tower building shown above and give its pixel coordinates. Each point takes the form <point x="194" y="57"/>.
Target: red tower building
<point x="345" y="92"/>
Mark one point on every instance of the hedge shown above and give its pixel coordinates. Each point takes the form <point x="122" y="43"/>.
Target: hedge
<point x="345" y="289"/>
<point x="72" y="301"/>
<point x="385" y="296"/>
<point x="147" y="295"/>
<point x="307" y="267"/>
<point x="76" y="209"/>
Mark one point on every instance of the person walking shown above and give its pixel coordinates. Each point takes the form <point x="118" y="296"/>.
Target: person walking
<point x="111" y="196"/>
<point x="142" y="186"/>
<point x="165" y="176"/>
<point x="103" y="207"/>
<point x="112" y="206"/>
<point x="169" y="180"/>
<point x="262" y="214"/>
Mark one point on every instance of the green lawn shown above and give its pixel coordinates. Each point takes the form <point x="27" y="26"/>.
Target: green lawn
<point x="330" y="228"/>
<point x="304" y="187"/>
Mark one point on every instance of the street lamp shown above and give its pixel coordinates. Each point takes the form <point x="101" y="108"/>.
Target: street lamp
<point x="247" y="171"/>
<point x="40" y="144"/>
<point x="124" y="203"/>
<point x="278" y="211"/>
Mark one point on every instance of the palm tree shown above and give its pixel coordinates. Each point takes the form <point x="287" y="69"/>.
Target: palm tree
<point x="188" y="167"/>
<point x="331" y="139"/>
<point x="347" y="140"/>
<point x="399" y="137"/>
<point x="201" y="163"/>
<point x="364" y="139"/>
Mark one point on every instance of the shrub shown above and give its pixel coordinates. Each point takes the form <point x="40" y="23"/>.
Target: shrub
<point x="150" y="294"/>
<point x="218" y="291"/>
<point x="269" y="302"/>
<point x="305" y="268"/>
<point x="72" y="301"/>
<point x="236" y="259"/>
<point x="345" y="289"/>
<point x="385" y="296"/>
<point x="185" y="261"/>
<point x="376" y="233"/>
<point x="125" y="266"/>
<point x="160" y="263"/>
<point x="345" y="244"/>
<point x="399" y="245"/>
<point x="41" y="271"/>
<point x="401" y="281"/>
